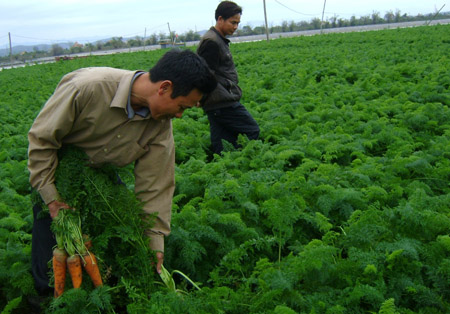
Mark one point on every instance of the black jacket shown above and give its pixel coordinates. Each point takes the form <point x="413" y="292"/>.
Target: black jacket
<point x="214" y="48"/>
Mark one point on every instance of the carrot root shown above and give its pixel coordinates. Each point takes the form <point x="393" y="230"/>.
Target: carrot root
<point x="75" y="271"/>
<point x="91" y="267"/>
<point x="87" y="241"/>
<point x="59" y="270"/>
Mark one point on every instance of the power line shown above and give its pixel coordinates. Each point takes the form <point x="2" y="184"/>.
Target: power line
<point x="150" y="29"/>
<point x="80" y="39"/>
<point x="306" y="14"/>
<point x="293" y="9"/>
<point x="156" y="27"/>
<point x="26" y="37"/>
<point x="140" y="32"/>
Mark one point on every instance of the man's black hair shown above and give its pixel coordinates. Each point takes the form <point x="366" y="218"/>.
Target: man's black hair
<point x="186" y="70"/>
<point x="227" y="9"/>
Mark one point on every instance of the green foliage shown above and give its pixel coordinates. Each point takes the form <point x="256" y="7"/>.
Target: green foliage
<point x="12" y="305"/>
<point x="341" y="206"/>
<point x="80" y="301"/>
<point x="112" y="217"/>
<point x="388" y="307"/>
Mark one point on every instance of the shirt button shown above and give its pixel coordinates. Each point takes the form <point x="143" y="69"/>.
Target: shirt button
<point x="105" y="150"/>
<point x="118" y="136"/>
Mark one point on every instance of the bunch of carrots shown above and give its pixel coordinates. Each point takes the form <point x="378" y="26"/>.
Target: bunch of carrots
<point x="72" y="252"/>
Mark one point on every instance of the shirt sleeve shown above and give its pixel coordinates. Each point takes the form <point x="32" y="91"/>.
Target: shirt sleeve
<point x="209" y="50"/>
<point x="45" y="137"/>
<point x="155" y="184"/>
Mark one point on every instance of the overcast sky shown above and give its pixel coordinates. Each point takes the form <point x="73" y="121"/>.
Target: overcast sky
<point x="53" y="21"/>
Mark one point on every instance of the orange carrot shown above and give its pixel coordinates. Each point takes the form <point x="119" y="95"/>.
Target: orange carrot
<point x="75" y="271"/>
<point x="87" y="241"/>
<point x="91" y="267"/>
<point x="59" y="270"/>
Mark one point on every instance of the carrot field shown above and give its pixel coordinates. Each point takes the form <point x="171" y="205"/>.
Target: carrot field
<point x="341" y="206"/>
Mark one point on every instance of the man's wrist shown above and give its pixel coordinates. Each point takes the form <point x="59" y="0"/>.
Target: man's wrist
<point x="49" y="193"/>
<point x="156" y="242"/>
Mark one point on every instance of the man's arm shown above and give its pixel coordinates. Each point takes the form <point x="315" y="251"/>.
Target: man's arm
<point x="209" y="50"/>
<point x="45" y="138"/>
<point x="155" y="184"/>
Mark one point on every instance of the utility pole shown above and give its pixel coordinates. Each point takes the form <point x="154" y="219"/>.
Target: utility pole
<point x="428" y="22"/>
<point x="323" y="12"/>
<point x="265" y="18"/>
<point x="170" y="33"/>
<point x="10" y="50"/>
<point x="145" y="35"/>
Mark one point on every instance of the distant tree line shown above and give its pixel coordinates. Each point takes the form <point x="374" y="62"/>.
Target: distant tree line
<point x="335" y="21"/>
<point x="155" y="39"/>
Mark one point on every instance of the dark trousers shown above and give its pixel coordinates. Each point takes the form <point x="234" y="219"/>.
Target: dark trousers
<point x="42" y="243"/>
<point x="227" y="123"/>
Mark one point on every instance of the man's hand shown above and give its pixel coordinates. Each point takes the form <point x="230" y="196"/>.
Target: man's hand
<point x="160" y="258"/>
<point x="55" y="206"/>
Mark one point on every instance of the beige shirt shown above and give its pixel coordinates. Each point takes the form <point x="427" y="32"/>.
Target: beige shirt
<point x="88" y="110"/>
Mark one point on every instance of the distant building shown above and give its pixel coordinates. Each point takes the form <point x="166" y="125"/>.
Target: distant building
<point x="77" y="45"/>
<point x="167" y="43"/>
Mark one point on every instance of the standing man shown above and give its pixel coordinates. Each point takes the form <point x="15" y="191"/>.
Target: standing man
<point x="118" y="117"/>
<point x="227" y="116"/>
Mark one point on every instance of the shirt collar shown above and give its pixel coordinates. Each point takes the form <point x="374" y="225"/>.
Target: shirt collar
<point x="143" y="111"/>
<point x="226" y="40"/>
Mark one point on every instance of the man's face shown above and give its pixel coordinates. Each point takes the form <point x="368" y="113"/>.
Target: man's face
<point x="229" y="26"/>
<point x="168" y="107"/>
